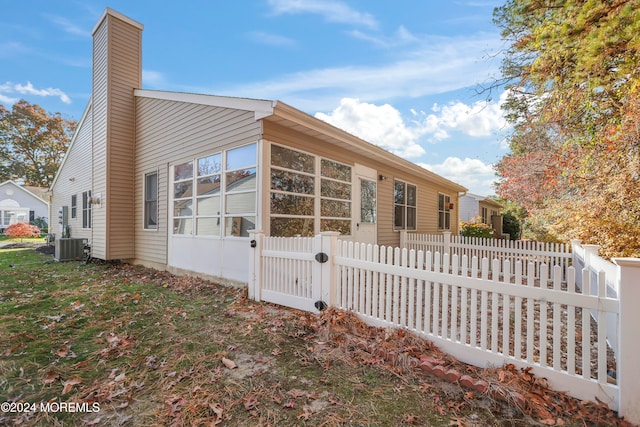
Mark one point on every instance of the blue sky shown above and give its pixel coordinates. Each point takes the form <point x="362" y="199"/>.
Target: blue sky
<point x="403" y="75"/>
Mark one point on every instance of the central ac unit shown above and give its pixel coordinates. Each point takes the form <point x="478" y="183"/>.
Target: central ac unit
<point x="71" y="249"/>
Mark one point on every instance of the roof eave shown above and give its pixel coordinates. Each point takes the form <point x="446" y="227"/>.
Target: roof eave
<point x="293" y="114"/>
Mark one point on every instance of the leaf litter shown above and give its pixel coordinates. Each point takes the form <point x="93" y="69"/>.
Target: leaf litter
<point x="179" y="350"/>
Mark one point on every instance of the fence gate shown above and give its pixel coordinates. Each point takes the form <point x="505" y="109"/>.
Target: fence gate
<point x="292" y="272"/>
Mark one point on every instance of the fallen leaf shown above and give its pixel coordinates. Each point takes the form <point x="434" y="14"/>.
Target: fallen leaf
<point x="296" y="393"/>
<point x="68" y="385"/>
<point x="51" y="377"/>
<point x="229" y="363"/>
<point x="124" y="419"/>
<point x="93" y="422"/>
<point x="217" y="409"/>
<point x="250" y="402"/>
<point x="82" y="364"/>
<point x="411" y="419"/>
<point x="305" y="414"/>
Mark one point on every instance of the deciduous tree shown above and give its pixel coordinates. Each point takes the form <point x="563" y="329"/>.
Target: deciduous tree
<point x="32" y="143"/>
<point x="573" y="68"/>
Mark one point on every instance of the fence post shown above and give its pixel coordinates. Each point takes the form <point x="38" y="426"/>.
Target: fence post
<point x="254" y="286"/>
<point x="590" y="250"/>
<point x="329" y="242"/>
<point x="447" y="242"/>
<point x="574" y="256"/>
<point x="628" y="375"/>
<point x="403" y="238"/>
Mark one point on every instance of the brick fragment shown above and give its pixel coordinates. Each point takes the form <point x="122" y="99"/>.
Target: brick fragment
<point x="452" y="376"/>
<point x="434" y="361"/>
<point x="467" y="381"/>
<point x="439" y="371"/>
<point x="481" y="386"/>
<point x="427" y="367"/>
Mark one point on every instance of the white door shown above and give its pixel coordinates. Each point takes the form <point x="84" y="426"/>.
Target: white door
<point x="365" y="206"/>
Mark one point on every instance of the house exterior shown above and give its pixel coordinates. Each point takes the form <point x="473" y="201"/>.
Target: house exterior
<point x="176" y="180"/>
<point x="20" y="203"/>
<point x="473" y="206"/>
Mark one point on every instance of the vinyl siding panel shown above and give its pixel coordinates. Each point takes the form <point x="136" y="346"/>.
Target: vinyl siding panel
<point x="116" y="73"/>
<point x="427" y="191"/>
<point x="124" y="76"/>
<point x="170" y="132"/>
<point x="74" y="178"/>
<point x="99" y="143"/>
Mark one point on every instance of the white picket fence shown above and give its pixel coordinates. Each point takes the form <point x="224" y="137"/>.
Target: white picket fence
<point x="530" y="315"/>
<point x="525" y="251"/>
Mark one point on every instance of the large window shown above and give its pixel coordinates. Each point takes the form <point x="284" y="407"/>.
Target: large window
<point x="216" y="195"/>
<point x="405" y="206"/>
<point x="308" y="194"/>
<point x="151" y="201"/>
<point x="240" y="191"/>
<point x="86" y="209"/>
<point x="444" y="212"/>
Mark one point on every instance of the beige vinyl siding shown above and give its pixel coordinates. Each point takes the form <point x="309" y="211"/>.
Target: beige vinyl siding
<point x="427" y="191"/>
<point x="99" y="149"/>
<point x="116" y="73"/>
<point x="73" y="178"/>
<point x="124" y="69"/>
<point x="171" y="132"/>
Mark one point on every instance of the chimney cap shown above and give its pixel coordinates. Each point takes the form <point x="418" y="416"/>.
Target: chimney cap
<point x="116" y="14"/>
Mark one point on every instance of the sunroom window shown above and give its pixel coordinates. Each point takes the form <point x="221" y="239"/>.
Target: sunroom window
<point x="216" y="195"/>
<point x="308" y="194"/>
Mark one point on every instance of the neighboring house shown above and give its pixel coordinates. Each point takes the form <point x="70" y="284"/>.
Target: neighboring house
<point x="473" y="206"/>
<point x="21" y="204"/>
<point x="176" y="180"/>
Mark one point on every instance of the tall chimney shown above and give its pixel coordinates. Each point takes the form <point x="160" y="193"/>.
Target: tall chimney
<point x="117" y="71"/>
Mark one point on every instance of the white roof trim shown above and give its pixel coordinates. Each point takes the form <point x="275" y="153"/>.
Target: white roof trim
<point x="116" y="14"/>
<point x="261" y="107"/>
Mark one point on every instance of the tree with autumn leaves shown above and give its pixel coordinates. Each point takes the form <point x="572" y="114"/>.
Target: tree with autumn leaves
<point x="573" y="75"/>
<point x="32" y="143"/>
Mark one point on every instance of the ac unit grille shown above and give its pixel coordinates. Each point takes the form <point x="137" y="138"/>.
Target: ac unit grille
<point x="71" y="249"/>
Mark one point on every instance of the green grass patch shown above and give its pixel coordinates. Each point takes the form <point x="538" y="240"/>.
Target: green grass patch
<point x="150" y="348"/>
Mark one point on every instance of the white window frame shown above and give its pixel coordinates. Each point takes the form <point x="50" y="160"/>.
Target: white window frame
<point x="86" y="209"/>
<point x="444" y="212"/>
<point x="222" y="216"/>
<point x="317" y="196"/>
<point x="405" y="206"/>
<point x="147" y="203"/>
<point x="74" y="206"/>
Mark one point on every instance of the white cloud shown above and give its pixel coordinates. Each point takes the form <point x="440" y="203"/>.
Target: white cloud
<point x="331" y="10"/>
<point x="480" y="119"/>
<point x="271" y="39"/>
<point x="474" y="174"/>
<point x="381" y="125"/>
<point x="69" y="27"/>
<point x="153" y="78"/>
<point x="401" y="37"/>
<point x="8" y="89"/>
<point x="437" y="65"/>
<point x="7" y="100"/>
<point x="8" y="49"/>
